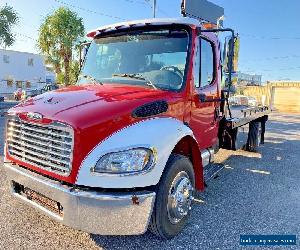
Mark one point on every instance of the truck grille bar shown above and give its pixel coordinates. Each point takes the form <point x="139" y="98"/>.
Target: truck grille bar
<point x="48" y="146"/>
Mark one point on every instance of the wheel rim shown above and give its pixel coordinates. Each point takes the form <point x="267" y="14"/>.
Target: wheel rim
<point x="180" y="197"/>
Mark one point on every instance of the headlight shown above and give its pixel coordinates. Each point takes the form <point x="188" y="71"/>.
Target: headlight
<point x="128" y="161"/>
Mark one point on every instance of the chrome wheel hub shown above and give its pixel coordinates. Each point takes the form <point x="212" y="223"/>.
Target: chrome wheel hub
<point x="180" y="197"/>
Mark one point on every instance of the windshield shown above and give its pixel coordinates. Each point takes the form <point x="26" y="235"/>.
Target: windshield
<point x="154" y="59"/>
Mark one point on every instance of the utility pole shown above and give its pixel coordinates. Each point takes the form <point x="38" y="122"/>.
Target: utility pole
<point x="154" y="8"/>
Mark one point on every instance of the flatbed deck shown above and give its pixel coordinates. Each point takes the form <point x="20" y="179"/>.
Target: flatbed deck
<point x="241" y="115"/>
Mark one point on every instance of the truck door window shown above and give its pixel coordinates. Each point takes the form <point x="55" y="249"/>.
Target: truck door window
<point x="207" y="62"/>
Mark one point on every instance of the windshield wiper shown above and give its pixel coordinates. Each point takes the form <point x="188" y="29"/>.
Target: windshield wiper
<point x="91" y="78"/>
<point x="136" y="76"/>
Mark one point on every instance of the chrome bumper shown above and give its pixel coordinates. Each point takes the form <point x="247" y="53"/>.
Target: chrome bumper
<point x="89" y="211"/>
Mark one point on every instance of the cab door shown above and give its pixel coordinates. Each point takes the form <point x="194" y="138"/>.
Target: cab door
<point x="205" y="92"/>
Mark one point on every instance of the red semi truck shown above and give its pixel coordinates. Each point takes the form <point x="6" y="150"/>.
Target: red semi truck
<point x="126" y="148"/>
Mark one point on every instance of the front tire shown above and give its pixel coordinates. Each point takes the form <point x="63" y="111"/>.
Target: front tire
<point x="174" y="198"/>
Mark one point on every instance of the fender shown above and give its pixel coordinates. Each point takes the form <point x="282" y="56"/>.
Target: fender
<point x="160" y="134"/>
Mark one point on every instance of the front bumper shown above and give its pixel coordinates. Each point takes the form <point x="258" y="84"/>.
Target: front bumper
<point x="90" y="211"/>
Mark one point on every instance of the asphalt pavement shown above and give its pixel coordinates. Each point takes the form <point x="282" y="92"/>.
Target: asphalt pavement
<point x="255" y="193"/>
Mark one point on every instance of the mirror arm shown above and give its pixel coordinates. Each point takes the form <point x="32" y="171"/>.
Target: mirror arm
<point x="231" y="55"/>
<point x="83" y="46"/>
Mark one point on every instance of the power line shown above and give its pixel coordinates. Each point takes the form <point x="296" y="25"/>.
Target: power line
<point x="269" y="38"/>
<point x="25" y="36"/>
<point x="73" y="6"/>
<point x="163" y="12"/>
<point x="24" y="41"/>
<point x="147" y="2"/>
<point x="90" y="11"/>
<point x="271" y="70"/>
<point x="27" y="24"/>
<point x="158" y="9"/>
<point x="135" y="1"/>
<point x="272" y="58"/>
<point x="107" y="15"/>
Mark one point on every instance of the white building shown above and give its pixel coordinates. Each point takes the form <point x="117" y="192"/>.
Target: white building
<point x="248" y="79"/>
<point x="21" y="70"/>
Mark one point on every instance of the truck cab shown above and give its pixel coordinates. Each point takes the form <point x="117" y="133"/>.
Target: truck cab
<point x="124" y="149"/>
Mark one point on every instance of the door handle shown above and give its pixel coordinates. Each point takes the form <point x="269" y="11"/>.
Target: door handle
<point x="202" y="97"/>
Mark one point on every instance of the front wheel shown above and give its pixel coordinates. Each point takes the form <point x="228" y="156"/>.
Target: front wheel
<point x="174" y="198"/>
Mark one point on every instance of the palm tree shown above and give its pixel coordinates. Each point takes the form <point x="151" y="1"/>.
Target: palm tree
<point x="58" y="35"/>
<point x="8" y="18"/>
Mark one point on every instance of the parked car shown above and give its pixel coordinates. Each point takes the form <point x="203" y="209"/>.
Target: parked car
<point x="48" y="87"/>
<point x="26" y="93"/>
<point x="242" y="100"/>
<point x="252" y="101"/>
<point x="34" y="92"/>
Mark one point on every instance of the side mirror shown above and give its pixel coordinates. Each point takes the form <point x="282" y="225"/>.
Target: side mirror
<point x="227" y="53"/>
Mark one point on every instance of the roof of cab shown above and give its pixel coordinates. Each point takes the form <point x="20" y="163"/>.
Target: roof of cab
<point x="141" y="23"/>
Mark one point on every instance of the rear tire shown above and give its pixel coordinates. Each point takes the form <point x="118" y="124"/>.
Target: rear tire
<point x="173" y="198"/>
<point x="254" y="136"/>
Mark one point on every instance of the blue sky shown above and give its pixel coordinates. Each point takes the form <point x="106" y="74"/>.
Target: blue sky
<point x="269" y="29"/>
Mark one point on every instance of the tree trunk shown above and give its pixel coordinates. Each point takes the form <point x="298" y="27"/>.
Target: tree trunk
<point x="67" y="70"/>
<point x="67" y="62"/>
<point x="57" y="69"/>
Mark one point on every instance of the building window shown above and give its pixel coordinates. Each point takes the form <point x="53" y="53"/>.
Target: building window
<point x="28" y="84"/>
<point x="19" y="84"/>
<point x="5" y="58"/>
<point x="9" y="83"/>
<point x="30" y="61"/>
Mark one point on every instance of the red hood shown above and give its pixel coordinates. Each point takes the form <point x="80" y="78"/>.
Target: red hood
<point x="95" y="112"/>
<point x="75" y="103"/>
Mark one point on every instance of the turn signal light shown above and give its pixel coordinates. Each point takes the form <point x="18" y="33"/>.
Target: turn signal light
<point x="209" y="26"/>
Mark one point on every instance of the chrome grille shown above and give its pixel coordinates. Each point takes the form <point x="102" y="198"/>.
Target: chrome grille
<point x="45" y="146"/>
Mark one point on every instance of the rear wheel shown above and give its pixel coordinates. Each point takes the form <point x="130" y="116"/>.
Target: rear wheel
<point x="254" y="136"/>
<point x="173" y="198"/>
